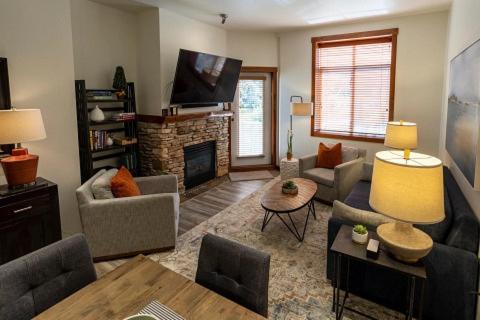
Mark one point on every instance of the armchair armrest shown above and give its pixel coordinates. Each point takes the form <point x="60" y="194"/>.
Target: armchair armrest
<point x="346" y="175"/>
<point x="307" y="162"/>
<point x="158" y="184"/>
<point x="130" y="224"/>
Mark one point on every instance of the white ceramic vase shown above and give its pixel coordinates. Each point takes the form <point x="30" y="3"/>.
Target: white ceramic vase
<point x="359" y="238"/>
<point x="97" y="114"/>
<point x="109" y="141"/>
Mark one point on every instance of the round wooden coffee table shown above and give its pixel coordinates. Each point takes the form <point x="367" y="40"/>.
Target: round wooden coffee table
<point x="277" y="204"/>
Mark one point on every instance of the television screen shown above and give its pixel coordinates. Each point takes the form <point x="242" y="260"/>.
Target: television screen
<point x="203" y="78"/>
<point x="4" y="85"/>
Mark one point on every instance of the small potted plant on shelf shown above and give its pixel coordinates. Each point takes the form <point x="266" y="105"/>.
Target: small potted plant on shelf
<point x="359" y="234"/>
<point x="289" y="187"/>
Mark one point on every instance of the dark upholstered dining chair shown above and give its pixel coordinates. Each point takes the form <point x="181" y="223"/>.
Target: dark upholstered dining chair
<point x="235" y="271"/>
<point x="37" y="281"/>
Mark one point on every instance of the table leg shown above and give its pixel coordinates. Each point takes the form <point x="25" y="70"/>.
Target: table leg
<point x="311" y="209"/>
<point x="334" y="282"/>
<point x="338" y="282"/>
<point x="411" y="299"/>
<point x="422" y="296"/>
<point x="266" y="218"/>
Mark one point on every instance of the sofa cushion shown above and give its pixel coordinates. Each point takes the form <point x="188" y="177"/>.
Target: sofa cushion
<point x="123" y="184"/>
<point x="359" y="196"/>
<point x="329" y="157"/>
<point x="320" y="175"/>
<point x="101" y="189"/>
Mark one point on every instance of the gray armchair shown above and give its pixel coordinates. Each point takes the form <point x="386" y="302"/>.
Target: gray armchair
<point x="334" y="184"/>
<point x="124" y="227"/>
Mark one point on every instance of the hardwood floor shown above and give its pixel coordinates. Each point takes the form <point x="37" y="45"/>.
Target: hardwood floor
<point x="198" y="209"/>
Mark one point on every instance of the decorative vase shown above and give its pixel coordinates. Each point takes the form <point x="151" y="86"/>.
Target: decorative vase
<point x="109" y="141"/>
<point x="359" y="238"/>
<point x="290" y="191"/>
<point x="97" y="114"/>
<point x="289" y="156"/>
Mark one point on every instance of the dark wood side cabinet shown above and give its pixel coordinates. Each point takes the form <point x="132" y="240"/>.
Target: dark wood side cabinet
<point x="29" y="220"/>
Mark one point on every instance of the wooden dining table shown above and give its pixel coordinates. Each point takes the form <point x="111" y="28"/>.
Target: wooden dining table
<point x="129" y="288"/>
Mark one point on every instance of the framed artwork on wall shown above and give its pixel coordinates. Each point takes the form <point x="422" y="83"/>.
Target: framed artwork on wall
<point x="463" y="119"/>
<point x="4" y="99"/>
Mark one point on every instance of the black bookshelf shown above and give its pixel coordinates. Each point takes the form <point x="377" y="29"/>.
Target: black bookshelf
<point x="90" y="156"/>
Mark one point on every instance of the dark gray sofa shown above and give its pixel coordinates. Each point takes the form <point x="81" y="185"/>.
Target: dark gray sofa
<point x="452" y="265"/>
<point x="33" y="283"/>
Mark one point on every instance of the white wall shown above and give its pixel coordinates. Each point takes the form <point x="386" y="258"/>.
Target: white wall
<point x="179" y="32"/>
<point x="464" y="29"/>
<point x="103" y="38"/>
<point x="254" y="48"/>
<point x="36" y="37"/>
<point x="418" y="86"/>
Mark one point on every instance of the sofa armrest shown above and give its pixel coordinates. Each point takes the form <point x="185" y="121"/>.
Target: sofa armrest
<point x="307" y="162"/>
<point x="452" y="277"/>
<point x="346" y="175"/>
<point x="354" y="215"/>
<point x="158" y="184"/>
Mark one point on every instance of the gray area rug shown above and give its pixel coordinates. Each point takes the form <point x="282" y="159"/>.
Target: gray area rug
<point x="298" y="286"/>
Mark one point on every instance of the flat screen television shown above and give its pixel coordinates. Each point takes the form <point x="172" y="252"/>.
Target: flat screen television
<point x="204" y="79"/>
<point x="4" y="85"/>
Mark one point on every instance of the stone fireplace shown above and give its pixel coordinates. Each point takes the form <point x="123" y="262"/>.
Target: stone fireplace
<point x="163" y="141"/>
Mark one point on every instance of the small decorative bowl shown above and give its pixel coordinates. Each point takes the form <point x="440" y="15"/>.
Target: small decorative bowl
<point x="290" y="191"/>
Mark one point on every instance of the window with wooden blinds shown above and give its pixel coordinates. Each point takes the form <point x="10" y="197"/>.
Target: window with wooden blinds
<point x="353" y="82"/>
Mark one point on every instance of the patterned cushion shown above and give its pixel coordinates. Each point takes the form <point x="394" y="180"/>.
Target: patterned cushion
<point x="101" y="186"/>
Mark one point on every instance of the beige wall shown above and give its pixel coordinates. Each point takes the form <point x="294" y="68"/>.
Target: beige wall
<point x="149" y="93"/>
<point x="103" y="38"/>
<point x="419" y="77"/>
<point x="254" y="48"/>
<point x="36" y="37"/>
<point x="464" y="29"/>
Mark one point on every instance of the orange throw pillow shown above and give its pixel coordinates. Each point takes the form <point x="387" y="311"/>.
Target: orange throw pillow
<point x="123" y="185"/>
<point x="329" y="157"/>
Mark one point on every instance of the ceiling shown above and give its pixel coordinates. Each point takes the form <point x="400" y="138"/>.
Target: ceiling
<point x="279" y="15"/>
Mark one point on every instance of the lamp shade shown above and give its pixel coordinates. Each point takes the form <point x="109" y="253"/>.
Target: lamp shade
<point x="408" y="190"/>
<point x="21" y="125"/>
<point x="301" y="109"/>
<point x="401" y="135"/>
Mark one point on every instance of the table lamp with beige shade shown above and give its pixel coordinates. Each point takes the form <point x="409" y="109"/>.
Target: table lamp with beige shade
<point x="17" y="126"/>
<point x="407" y="187"/>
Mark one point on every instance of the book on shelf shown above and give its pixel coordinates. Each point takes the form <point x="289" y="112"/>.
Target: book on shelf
<point x="101" y="95"/>
<point x="124" y="141"/>
<point x="129" y="161"/>
<point x="98" y="139"/>
<point x="123" y="116"/>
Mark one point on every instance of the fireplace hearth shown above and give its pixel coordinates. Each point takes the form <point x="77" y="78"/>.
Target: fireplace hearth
<point x="200" y="163"/>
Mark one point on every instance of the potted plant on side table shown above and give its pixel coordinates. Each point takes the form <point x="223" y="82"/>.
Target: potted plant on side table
<point x="289" y="187"/>
<point x="359" y="234"/>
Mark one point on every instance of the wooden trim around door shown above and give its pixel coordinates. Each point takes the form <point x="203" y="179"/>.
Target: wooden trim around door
<point x="274" y="84"/>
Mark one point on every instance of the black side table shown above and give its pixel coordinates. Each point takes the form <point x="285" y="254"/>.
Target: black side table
<point x="344" y="248"/>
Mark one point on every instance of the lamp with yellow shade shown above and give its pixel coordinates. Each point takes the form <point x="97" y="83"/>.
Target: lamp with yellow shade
<point x="17" y="126"/>
<point x="297" y="109"/>
<point x="401" y="135"/>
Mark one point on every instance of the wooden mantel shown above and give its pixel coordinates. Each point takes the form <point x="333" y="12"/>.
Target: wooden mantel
<point x="183" y="117"/>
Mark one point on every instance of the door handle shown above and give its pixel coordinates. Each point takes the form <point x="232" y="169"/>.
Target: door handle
<point x="22" y="210"/>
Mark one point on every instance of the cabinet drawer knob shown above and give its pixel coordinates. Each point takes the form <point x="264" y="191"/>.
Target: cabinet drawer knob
<point x="22" y="210"/>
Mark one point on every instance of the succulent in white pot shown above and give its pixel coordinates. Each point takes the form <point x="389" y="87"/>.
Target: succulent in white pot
<point x="359" y="234"/>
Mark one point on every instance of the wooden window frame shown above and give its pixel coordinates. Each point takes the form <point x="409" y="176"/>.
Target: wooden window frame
<point x="348" y="39"/>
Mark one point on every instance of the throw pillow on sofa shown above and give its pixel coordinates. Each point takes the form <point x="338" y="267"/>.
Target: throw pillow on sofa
<point x="123" y="184"/>
<point x="329" y="157"/>
<point x="101" y="186"/>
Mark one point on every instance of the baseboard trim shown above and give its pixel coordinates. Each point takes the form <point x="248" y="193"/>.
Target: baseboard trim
<point x="131" y="254"/>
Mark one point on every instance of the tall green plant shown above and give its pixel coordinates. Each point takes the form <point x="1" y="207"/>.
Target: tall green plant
<point x="290" y="141"/>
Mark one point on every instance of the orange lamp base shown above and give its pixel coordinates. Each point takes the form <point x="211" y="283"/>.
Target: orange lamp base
<point x="20" y="169"/>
